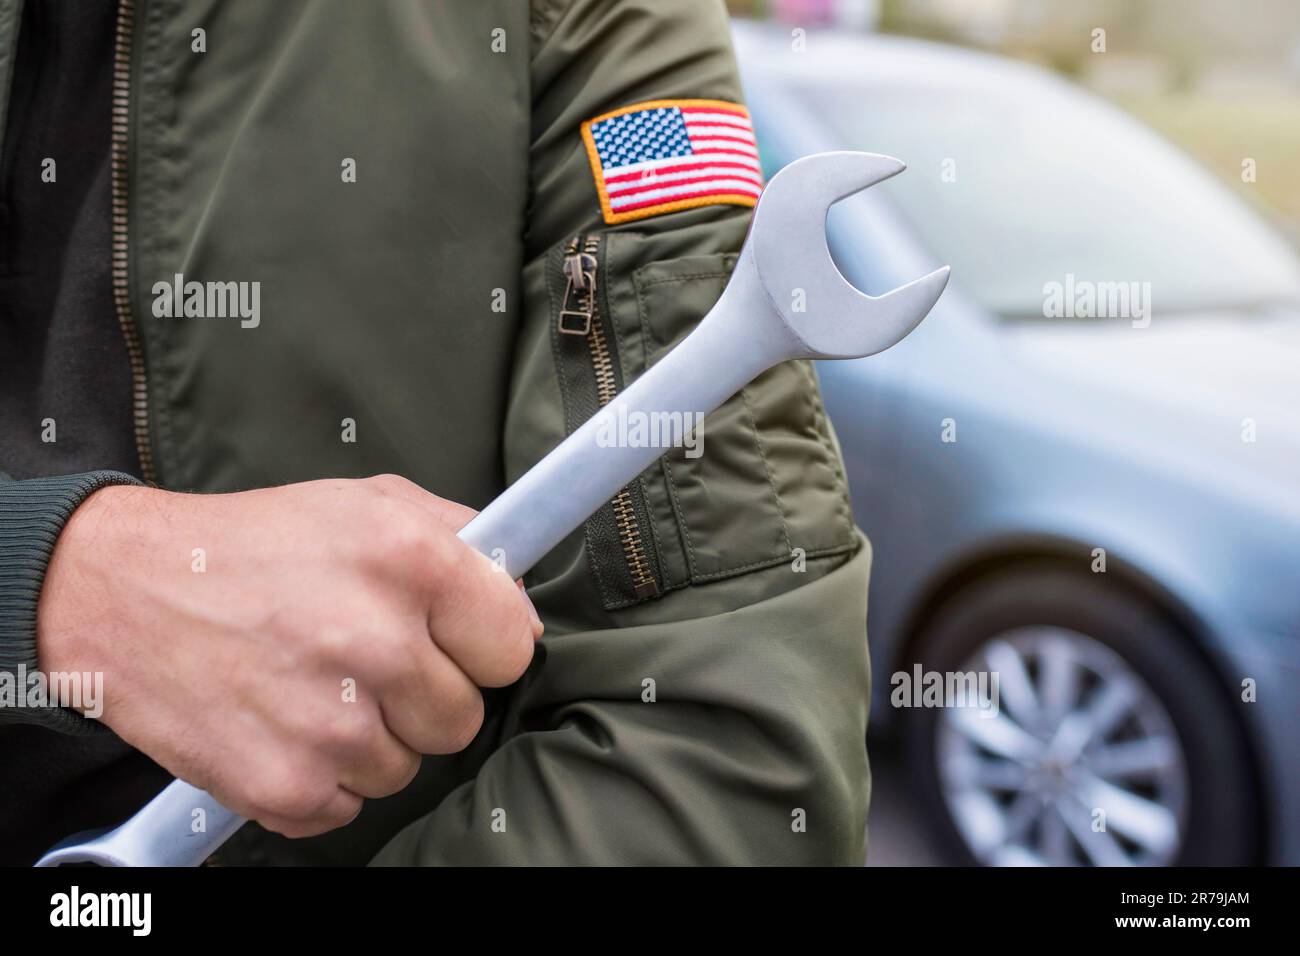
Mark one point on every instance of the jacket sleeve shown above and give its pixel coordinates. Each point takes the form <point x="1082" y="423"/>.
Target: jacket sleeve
<point x="32" y="516"/>
<point x="710" y="708"/>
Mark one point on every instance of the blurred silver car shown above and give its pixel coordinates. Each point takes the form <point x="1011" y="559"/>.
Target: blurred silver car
<point x="1081" y="473"/>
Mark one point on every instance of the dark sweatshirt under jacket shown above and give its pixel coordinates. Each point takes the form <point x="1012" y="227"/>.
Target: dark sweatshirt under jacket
<point x="65" y="376"/>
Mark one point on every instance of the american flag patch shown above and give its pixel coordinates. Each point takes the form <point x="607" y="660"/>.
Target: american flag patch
<point x="653" y="158"/>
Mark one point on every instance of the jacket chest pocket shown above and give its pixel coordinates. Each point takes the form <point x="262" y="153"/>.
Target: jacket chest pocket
<point x="758" y="483"/>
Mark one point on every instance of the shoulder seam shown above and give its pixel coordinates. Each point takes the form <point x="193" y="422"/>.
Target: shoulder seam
<point x="543" y="16"/>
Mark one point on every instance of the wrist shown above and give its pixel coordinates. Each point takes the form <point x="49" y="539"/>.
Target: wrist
<point x="75" y="614"/>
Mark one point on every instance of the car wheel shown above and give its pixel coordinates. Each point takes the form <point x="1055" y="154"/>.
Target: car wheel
<point x="1108" y="742"/>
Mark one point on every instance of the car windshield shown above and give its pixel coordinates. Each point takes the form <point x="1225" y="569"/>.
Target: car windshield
<point x="1024" y="186"/>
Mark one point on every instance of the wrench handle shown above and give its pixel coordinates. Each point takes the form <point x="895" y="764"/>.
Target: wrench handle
<point x="526" y="521"/>
<point x="577" y="477"/>
<point x="159" y="834"/>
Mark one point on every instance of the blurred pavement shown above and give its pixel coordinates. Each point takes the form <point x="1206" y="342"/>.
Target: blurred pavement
<point x="896" y="834"/>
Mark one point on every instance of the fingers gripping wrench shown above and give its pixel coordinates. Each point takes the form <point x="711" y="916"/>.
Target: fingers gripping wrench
<point x="752" y="327"/>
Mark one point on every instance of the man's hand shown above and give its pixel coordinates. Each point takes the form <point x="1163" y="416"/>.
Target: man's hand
<point x="326" y="635"/>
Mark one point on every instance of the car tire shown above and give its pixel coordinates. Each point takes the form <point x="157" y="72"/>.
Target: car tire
<point x="1218" y="805"/>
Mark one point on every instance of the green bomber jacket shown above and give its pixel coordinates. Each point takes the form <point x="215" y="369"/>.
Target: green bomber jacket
<point x="406" y="180"/>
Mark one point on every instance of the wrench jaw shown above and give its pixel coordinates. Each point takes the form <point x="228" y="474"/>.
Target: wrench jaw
<point x="788" y="246"/>
<point x="886" y="320"/>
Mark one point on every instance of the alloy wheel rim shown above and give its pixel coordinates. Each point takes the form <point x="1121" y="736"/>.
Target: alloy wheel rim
<point x="1080" y="763"/>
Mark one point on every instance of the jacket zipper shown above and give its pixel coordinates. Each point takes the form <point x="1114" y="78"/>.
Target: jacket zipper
<point x="580" y="316"/>
<point x="121" y="280"/>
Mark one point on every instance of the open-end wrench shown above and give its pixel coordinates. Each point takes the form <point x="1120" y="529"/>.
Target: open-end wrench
<point x="785" y="300"/>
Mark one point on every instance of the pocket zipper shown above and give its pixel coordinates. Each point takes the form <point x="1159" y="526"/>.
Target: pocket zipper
<point x="580" y="316"/>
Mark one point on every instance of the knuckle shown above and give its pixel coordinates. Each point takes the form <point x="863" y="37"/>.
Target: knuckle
<point x="398" y="538"/>
<point x="388" y="654"/>
<point x="350" y="727"/>
<point x="458" y="728"/>
<point x="259" y="798"/>
<point x="312" y="799"/>
<point x="296" y="795"/>
<point x="397" y="772"/>
<point x="391" y="484"/>
<point x="337" y="642"/>
<point x="343" y="810"/>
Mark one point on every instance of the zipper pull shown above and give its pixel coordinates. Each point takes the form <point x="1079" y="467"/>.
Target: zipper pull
<point x="580" y="270"/>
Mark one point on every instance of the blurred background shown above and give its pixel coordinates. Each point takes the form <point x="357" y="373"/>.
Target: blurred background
<point x="1082" y="472"/>
<point x="1209" y="74"/>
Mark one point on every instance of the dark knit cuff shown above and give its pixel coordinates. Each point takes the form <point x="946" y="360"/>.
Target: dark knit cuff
<point x="32" y="516"/>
